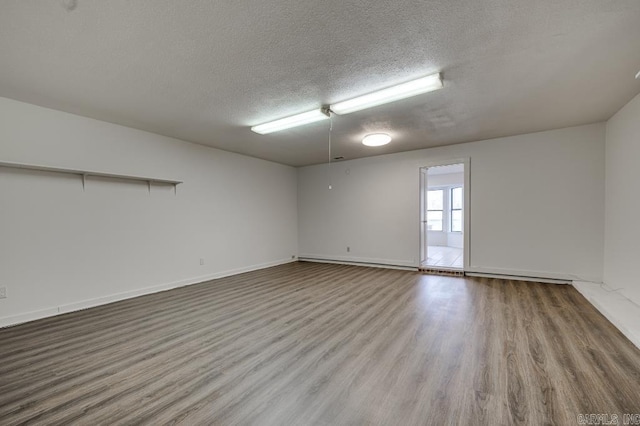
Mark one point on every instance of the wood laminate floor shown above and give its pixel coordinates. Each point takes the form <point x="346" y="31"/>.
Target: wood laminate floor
<point x="314" y="344"/>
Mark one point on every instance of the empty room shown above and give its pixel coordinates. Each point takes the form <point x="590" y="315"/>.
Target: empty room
<point x="275" y="212"/>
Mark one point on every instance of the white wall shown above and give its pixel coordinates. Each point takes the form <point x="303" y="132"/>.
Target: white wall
<point x="437" y="238"/>
<point x="537" y="205"/>
<point x="445" y="179"/>
<point x="62" y="248"/>
<point x="619" y="298"/>
<point x="622" y="232"/>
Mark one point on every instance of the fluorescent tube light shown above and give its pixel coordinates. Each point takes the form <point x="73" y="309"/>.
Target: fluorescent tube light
<point x="289" y="122"/>
<point x="401" y="91"/>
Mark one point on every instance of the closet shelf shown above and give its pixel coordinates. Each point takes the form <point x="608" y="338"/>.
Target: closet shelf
<point x="87" y="173"/>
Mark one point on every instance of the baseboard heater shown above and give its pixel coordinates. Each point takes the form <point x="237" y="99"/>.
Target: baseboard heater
<point x="518" y="278"/>
<point x="443" y="271"/>
<point x="356" y="263"/>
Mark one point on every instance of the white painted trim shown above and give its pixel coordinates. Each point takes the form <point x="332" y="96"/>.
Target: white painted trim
<point x="620" y="311"/>
<point x="466" y="260"/>
<point x="90" y="303"/>
<point x="422" y="208"/>
<point x="518" y="278"/>
<point x="28" y="316"/>
<point x="523" y="273"/>
<point x="361" y="260"/>
<point x="466" y="227"/>
<point x="337" y="261"/>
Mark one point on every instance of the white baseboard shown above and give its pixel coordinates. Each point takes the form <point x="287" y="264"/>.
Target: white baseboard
<point x="28" y="316"/>
<point x="522" y="275"/>
<point x="369" y="265"/>
<point x="90" y="303"/>
<point x="362" y="261"/>
<point x="622" y="312"/>
<point x="518" y="278"/>
<point x="535" y="276"/>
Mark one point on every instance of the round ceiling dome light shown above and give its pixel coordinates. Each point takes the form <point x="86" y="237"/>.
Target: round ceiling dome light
<point x="376" y="139"/>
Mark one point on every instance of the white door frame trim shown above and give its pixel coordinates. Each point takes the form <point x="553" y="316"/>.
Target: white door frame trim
<point x="467" y="204"/>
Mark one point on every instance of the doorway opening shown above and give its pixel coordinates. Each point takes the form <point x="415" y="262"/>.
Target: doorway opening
<point x="443" y="221"/>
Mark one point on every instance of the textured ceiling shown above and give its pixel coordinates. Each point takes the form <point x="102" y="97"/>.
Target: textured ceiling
<point x="204" y="71"/>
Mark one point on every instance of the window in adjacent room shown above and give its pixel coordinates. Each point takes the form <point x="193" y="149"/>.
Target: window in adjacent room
<point x="456" y="209"/>
<point x="435" y="209"/>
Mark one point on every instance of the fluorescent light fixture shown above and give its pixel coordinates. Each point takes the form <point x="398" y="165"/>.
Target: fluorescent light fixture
<point x="390" y="94"/>
<point x="376" y="139"/>
<point x="289" y="122"/>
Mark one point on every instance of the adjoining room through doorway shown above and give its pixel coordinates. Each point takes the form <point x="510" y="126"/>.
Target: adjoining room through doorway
<point x="442" y="216"/>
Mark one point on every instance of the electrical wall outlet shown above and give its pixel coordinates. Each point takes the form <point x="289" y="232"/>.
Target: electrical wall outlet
<point x="3" y="292"/>
<point x="201" y="261"/>
<point x="348" y="249"/>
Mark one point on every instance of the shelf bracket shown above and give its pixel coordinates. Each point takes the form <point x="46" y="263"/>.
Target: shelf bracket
<point x="84" y="181"/>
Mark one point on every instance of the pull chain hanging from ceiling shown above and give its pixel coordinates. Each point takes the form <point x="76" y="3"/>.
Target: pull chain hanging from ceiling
<point x="330" y="130"/>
